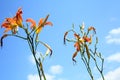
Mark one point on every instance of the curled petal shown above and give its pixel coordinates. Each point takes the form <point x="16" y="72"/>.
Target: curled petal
<point x="92" y="28"/>
<point x="48" y="47"/>
<point x="74" y="55"/>
<point x="50" y="50"/>
<point x="65" y="37"/>
<point x="33" y="23"/>
<point x="49" y="23"/>
<point x="77" y="36"/>
<point x="1" y="40"/>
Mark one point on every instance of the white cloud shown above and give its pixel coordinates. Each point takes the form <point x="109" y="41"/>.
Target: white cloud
<point x="56" y="69"/>
<point x="50" y="77"/>
<point x="114" y="57"/>
<point x="36" y="77"/>
<point x="33" y="77"/>
<point x="31" y="59"/>
<point x="115" y="31"/>
<point x="114" y="36"/>
<point x="112" y="75"/>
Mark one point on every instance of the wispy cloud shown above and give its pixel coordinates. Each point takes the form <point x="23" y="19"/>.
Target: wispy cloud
<point x="56" y="69"/>
<point x="112" y="75"/>
<point x="52" y="75"/>
<point x="114" y="36"/>
<point x="115" y="57"/>
<point x="31" y="59"/>
<point x="33" y="77"/>
<point x="36" y="77"/>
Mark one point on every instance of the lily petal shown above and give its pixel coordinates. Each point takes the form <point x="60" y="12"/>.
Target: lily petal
<point x="77" y="46"/>
<point x="33" y="23"/>
<point x="92" y="28"/>
<point x="49" y="23"/>
<point x="18" y="17"/>
<point x="74" y="55"/>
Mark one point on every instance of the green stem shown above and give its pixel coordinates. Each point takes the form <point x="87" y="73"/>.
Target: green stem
<point x="38" y="64"/>
<point x="96" y="64"/>
<point x="41" y="68"/>
<point x="87" y="66"/>
<point x="31" y="45"/>
<point x="17" y="36"/>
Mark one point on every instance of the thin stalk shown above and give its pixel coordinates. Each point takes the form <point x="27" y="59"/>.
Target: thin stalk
<point x="33" y="52"/>
<point x="38" y="64"/>
<point x="17" y="36"/>
<point x="41" y="68"/>
<point x="100" y="70"/>
<point x="87" y="66"/>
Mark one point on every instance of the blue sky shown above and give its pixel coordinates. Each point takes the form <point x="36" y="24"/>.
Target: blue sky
<point x="15" y="56"/>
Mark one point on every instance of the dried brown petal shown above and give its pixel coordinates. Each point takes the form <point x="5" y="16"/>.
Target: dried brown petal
<point x="77" y="36"/>
<point x="74" y="55"/>
<point x="47" y="46"/>
<point x="65" y="37"/>
<point x="1" y="40"/>
<point x="92" y="28"/>
<point x="77" y="46"/>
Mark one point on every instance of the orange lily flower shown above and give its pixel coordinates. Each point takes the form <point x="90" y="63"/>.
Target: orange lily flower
<point x="10" y="24"/>
<point x="13" y="23"/>
<point x="18" y="17"/>
<point x="86" y="39"/>
<point x="41" y="24"/>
